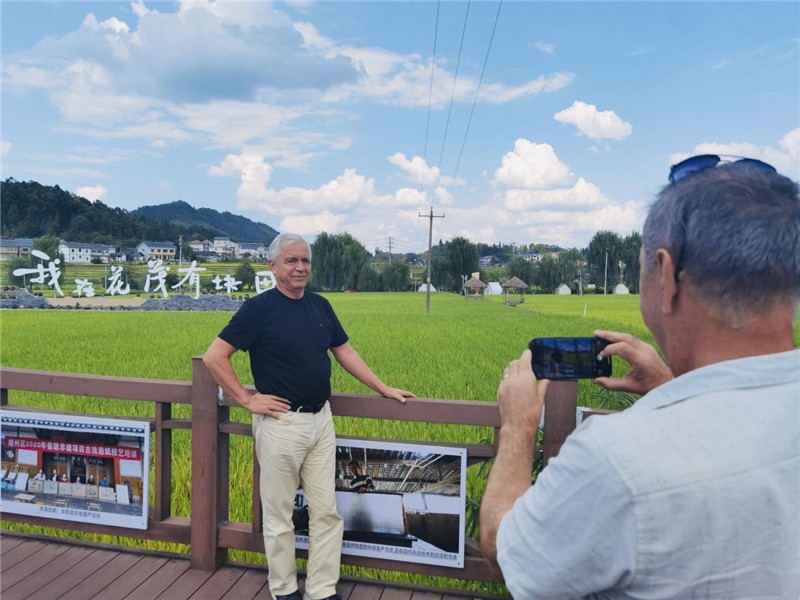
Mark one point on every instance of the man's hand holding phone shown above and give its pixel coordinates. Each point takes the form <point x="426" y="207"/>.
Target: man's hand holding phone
<point x="648" y="369"/>
<point x="520" y="396"/>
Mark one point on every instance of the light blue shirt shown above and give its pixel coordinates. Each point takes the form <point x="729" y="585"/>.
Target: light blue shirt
<point x="694" y="492"/>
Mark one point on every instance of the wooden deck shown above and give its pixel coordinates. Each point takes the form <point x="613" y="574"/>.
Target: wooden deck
<point x="39" y="568"/>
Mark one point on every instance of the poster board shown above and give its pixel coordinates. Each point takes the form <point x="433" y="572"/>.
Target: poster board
<point x="414" y="511"/>
<point x="80" y="438"/>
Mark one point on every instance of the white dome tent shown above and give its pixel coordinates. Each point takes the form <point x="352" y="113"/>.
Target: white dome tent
<point x="563" y="290"/>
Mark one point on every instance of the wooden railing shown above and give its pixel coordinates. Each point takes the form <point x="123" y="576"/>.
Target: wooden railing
<point x="209" y="532"/>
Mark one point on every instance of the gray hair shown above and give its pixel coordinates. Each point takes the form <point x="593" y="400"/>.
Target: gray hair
<point x="735" y="231"/>
<point x="281" y="241"/>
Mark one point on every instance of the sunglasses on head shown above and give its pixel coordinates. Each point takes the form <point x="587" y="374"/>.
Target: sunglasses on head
<point x="701" y="162"/>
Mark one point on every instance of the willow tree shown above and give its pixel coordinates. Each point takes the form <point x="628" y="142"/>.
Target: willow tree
<point x="336" y="262"/>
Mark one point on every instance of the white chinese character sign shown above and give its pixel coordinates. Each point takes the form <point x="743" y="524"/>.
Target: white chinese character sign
<point x="155" y="281"/>
<point x="76" y="468"/>
<point x="399" y="501"/>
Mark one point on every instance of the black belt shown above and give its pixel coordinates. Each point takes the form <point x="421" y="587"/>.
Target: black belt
<point x="313" y="408"/>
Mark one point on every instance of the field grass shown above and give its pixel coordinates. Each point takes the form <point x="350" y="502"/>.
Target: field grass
<point x="458" y="351"/>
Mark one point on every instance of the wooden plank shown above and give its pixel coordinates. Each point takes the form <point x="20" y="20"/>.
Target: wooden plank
<point x="31" y="564"/>
<point x="101" y="581"/>
<point x="345" y="589"/>
<point x="7" y="543"/>
<point x="20" y="552"/>
<point x="134" y="577"/>
<point x="100" y="386"/>
<point x="51" y="570"/>
<point x="82" y="571"/>
<point x="424" y="595"/>
<point x="186" y="585"/>
<point x="396" y="594"/>
<point x="366" y="591"/>
<point x="159" y="581"/>
<point x="249" y="586"/>
<point x="216" y="586"/>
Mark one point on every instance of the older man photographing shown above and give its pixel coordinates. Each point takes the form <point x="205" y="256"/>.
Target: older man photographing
<point x="694" y="492"/>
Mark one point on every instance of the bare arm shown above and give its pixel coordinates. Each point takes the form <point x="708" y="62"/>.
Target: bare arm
<point x="648" y="369"/>
<point x="520" y="399"/>
<point x="218" y="360"/>
<point x="355" y="365"/>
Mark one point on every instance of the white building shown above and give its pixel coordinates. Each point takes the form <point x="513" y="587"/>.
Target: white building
<point x="85" y="253"/>
<point x="223" y="246"/>
<point x="153" y="250"/>
<point x="251" y="251"/>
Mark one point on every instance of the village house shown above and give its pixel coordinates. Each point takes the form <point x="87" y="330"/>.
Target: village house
<point x="85" y="253"/>
<point x="157" y="250"/>
<point x="15" y="248"/>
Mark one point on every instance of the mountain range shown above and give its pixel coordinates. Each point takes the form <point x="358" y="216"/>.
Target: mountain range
<point x="32" y="210"/>
<point x="236" y="227"/>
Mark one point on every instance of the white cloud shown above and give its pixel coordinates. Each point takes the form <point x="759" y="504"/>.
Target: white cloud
<point x="311" y="225"/>
<point x="5" y="147"/>
<point x="405" y="79"/>
<point x="533" y="166"/>
<point x="92" y="193"/>
<point x="583" y="194"/>
<point x="545" y="47"/>
<point x="593" y="123"/>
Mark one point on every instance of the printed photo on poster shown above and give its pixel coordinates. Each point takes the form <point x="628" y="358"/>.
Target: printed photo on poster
<point x="75" y="468"/>
<point x="399" y="501"/>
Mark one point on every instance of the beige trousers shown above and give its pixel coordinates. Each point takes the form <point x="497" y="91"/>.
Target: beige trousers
<point x="299" y="450"/>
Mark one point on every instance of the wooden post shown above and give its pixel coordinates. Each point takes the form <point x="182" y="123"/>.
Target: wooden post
<point x="560" y="408"/>
<point x="210" y="470"/>
<point x="163" y="504"/>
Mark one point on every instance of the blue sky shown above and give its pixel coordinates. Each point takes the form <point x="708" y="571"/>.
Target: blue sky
<point x="520" y="122"/>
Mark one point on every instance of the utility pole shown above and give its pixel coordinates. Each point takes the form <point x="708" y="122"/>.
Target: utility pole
<point x="605" y="279"/>
<point x="390" y="249"/>
<point x="180" y="257"/>
<point x="430" y="246"/>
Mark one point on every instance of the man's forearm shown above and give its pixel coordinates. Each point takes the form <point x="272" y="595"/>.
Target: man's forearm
<point x="509" y="479"/>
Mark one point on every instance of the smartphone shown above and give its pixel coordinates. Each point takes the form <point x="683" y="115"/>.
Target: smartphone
<point x="569" y="358"/>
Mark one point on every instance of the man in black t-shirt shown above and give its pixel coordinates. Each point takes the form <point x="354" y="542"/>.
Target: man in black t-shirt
<point x="360" y="483"/>
<point x="288" y="333"/>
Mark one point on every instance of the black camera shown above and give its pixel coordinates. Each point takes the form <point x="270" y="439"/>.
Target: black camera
<point x="569" y="358"/>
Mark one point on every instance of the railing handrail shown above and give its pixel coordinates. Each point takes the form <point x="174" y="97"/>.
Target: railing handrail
<point x="209" y="532"/>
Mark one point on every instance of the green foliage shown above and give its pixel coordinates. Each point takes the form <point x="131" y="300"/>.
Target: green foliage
<point x="369" y="280"/>
<point x="395" y="277"/>
<point x="524" y="269"/>
<point x="246" y="274"/>
<point x="336" y="262"/>
<point x="623" y="259"/>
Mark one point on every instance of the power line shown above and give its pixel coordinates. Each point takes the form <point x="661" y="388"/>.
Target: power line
<point x="452" y="94"/>
<point x="430" y="92"/>
<point x="475" y="100"/>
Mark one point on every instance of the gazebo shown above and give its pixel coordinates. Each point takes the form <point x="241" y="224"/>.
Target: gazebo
<point x="473" y="288"/>
<point x="515" y="283"/>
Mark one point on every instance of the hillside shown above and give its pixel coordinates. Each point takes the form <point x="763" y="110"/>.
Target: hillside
<point x="31" y="210"/>
<point x="237" y="227"/>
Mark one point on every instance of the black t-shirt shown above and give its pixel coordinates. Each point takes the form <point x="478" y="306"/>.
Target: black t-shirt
<point x="288" y="342"/>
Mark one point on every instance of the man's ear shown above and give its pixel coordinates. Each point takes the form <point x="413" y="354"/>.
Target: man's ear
<point x="667" y="280"/>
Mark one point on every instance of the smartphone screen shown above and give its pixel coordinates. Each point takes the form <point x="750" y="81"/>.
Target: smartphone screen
<point x="569" y="358"/>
